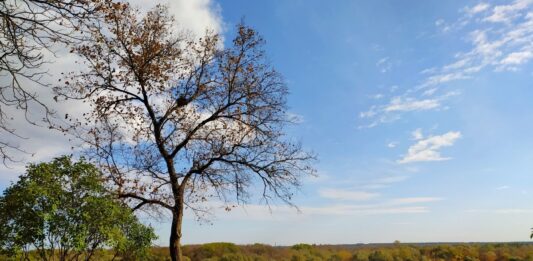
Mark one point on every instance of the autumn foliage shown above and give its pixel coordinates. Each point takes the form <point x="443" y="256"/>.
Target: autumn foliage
<point x="177" y="120"/>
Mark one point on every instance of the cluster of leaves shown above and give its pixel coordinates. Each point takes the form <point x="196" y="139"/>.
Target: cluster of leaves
<point x="61" y="210"/>
<point x="388" y="252"/>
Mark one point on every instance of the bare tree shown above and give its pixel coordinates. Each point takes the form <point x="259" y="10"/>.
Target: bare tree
<point x="28" y="29"/>
<point x="176" y="121"/>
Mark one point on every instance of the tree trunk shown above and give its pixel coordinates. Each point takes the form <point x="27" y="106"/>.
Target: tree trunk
<point x="175" y="231"/>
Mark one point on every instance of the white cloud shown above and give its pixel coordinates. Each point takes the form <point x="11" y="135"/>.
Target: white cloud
<point x="517" y="57"/>
<point x="378" y="96"/>
<point x="350" y="210"/>
<point x="390" y="179"/>
<point x="195" y="16"/>
<point x="506" y="13"/>
<point x="477" y="8"/>
<point x="411" y="104"/>
<point x="414" y="200"/>
<point x="502" y="211"/>
<point x="368" y="114"/>
<point x="509" y="38"/>
<point x="442" y="25"/>
<point x="443" y="78"/>
<point x="348" y="195"/>
<point x="392" y="144"/>
<point x="430" y="92"/>
<point x="400" y="104"/>
<point x="384" y="64"/>
<point x="284" y="213"/>
<point x="503" y="187"/>
<point x="383" y="182"/>
<point x="295" y="118"/>
<point x="417" y="134"/>
<point x="428" y="149"/>
<point x="276" y="212"/>
<point x="429" y="70"/>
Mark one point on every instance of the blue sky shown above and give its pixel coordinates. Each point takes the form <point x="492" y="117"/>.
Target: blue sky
<point x="420" y="113"/>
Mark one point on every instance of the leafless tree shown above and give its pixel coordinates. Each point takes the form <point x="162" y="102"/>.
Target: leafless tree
<point x="176" y="121"/>
<point x="28" y="29"/>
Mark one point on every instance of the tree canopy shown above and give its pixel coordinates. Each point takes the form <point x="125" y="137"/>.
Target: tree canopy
<point x="177" y="120"/>
<point x="62" y="209"/>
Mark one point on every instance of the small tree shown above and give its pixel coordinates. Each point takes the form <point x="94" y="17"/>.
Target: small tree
<point x="177" y="120"/>
<point x="62" y="210"/>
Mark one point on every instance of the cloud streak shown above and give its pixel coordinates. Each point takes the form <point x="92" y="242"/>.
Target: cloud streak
<point x="392" y="111"/>
<point x="346" y="195"/>
<point x="414" y="200"/>
<point x="283" y="213"/>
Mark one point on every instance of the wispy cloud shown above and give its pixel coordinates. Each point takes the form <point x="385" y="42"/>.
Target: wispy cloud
<point x="379" y="114"/>
<point x="350" y="210"/>
<point x="390" y="179"/>
<point x="348" y="195"/>
<point x="378" y="96"/>
<point x="410" y="104"/>
<point x="442" y="25"/>
<point x="516" y="58"/>
<point x="503" y="187"/>
<point x="295" y="118"/>
<point x="428" y="149"/>
<point x="477" y="8"/>
<point x="257" y="212"/>
<point x="384" y="65"/>
<point x="414" y="200"/>
<point x="382" y="182"/>
<point x="499" y="38"/>
<point x="507" y="13"/>
<point x="417" y="134"/>
<point x="502" y="211"/>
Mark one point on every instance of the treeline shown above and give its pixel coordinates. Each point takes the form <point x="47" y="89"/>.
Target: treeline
<point x="305" y="252"/>
<point x="393" y="252"/>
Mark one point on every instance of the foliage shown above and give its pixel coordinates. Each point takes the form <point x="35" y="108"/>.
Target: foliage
<point x="62" y="209"/>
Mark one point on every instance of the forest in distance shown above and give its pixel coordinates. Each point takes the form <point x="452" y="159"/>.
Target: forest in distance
<point x="518" y="251"/>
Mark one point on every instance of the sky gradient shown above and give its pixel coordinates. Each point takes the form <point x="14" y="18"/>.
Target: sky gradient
<point x="420" y="112"/>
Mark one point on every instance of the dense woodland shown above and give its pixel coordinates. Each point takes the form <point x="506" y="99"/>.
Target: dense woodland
<point x="362" y="252"/>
